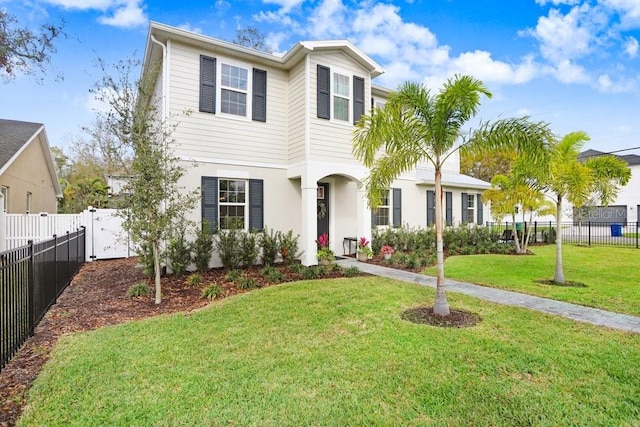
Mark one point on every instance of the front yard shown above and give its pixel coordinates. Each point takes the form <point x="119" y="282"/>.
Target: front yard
<point x="609" y="276"/>
<point x="336" y="352"/>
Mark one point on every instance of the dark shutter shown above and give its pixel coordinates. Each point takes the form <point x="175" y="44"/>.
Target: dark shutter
<point x="358" y="98"/>
<point x="209" y="189"/>
<point x="207" y="84"/>
<point x="324" y="90"/>
<point x="465" y="206"/>
<point x="479" y="208"/>
<point x="259" y="105"/>
<point x="397" y="207"/>
<point x="431" y="208"/>
<point x="256" y="204"/>
<point x="449" y="207"/>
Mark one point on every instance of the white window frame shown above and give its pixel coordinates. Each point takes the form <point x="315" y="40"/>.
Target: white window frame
<point x="5" y="193"/>
<point x="388" y="207"/>
<point x="220" y="87"/>
<point x="244" y="204"/>
<point x="334" y="95"/>
<point x="471" y="208"/>
<point x="29" y="196"/>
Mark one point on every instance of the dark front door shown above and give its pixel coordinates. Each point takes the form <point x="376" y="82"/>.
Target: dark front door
<point x="323" y="208"/>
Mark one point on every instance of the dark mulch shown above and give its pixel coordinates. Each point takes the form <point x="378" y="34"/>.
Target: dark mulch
<point x="426" y="316"/>
<point x="95" y="298"/>
<point x="568" y="283"/>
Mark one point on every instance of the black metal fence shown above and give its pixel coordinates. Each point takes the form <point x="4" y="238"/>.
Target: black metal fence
<point x="31" y="279"/>
<point x="625" y="234"/>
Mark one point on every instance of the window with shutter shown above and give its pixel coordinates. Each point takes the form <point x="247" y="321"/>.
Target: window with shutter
<point x="358" y="98"/>
<point x="323" y="92"/>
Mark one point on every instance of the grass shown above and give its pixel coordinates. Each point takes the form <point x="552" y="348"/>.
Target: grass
<point x="611" y="275"/>
<point x="631" y="235"/>
<point x="335" y="352"/>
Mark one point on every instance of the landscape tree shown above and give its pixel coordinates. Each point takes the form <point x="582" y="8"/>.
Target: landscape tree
<point x="23" y="50"/>
<point x="416" y="127"/>
<point x="479" y="165"/>
<point x="155" y="204"/>
<point x="567" y="178"/>
<point x="251" y="37"/>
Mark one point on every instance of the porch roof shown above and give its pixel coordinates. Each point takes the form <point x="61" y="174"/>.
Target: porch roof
<point x="451" y="179"/>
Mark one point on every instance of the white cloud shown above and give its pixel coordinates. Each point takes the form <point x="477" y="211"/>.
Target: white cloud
<point x="561" y="36"/>
<point x="569" y="72"/>
<point x="117" y="13"/>
<point x="623" y="85"/>
<point x="188" y="27"/>
<point x="631" y="47"/>
<point x="327" y="20"/>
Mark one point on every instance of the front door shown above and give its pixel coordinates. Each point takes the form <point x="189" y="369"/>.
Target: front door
<point x="323" y="208"/>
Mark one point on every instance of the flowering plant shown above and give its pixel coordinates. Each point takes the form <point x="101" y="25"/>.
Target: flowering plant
<point x="387" y="249"/>
<point x="324" y="252"/>
<point x="364" y="248"/>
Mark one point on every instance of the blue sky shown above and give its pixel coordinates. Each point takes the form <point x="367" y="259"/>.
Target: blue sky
<point x="572" y="63"/>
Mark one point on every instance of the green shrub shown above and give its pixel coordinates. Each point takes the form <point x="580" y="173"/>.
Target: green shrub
<point x="310" y="273"/>
<point x="288" y="246"/>
<point x="233" y="275"/>
<point x="248" y="249"/>
<point x="412" y="262"/>
<point x="194" y="279"/>
<point x="212" y="291"/>
<point x="246" y="283"/>
<point x="296" y="268"/>
<point x="336" y="268"/>
<point x="179" y="254"/>
<point x="139" y="289"/>
<point x="145" y="256"/>
<point x="274" y="276"/>
<point x="203" y="248"/>
<point x="269" y="247"/>
<point x="351" y="271"/>
<point x="228" y="246"/>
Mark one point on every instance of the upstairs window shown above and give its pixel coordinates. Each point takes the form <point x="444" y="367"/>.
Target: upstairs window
<point x="233" y="93"/>
<point x="341" y="93"/>
<point x="232" y="89"/>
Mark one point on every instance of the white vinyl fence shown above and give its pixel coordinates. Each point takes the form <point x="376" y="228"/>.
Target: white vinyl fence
<point x="105" y="237"/>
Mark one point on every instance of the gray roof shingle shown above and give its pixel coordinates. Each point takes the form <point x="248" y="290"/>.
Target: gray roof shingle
<point x="13" y="135"/>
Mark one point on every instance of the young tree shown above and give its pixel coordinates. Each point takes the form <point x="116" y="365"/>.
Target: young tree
<point x="569" y="179"/>
<point x="156" y="203"/>
<point x="416" y="127"/>
<point x="22" y="50"/>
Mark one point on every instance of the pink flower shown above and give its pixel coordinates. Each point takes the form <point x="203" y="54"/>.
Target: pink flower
<point x="363" y="242"/>
<point x="323" y="240"/>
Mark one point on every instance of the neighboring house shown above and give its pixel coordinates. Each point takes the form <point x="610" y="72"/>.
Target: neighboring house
<point x="271" y="137"/>
<point x="627" y="204"/>
<point x="28" y="179"/>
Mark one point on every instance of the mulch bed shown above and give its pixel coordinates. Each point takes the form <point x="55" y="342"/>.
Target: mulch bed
<point x="95" y="298"/>
<point x="425" y="315"/>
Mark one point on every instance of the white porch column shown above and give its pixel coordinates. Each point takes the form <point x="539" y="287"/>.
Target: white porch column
<point x="3" y="226"/>
<point x="364" y="214"/>
<point x="309" y="223"/>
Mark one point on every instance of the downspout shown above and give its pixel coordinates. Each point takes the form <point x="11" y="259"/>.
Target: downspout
<point x="164" y="116"/>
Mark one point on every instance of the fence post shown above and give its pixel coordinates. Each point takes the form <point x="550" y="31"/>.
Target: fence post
<point x="3" y="225"/>
<point x="31" y="289"/>
<point x="589" y="223"/>
<point x="637" y="228"/>
<point x="55" y="263"/>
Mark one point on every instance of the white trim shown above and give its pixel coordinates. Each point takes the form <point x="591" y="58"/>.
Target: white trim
<point x="232" y="162"/>
<point x="307" y="107"/>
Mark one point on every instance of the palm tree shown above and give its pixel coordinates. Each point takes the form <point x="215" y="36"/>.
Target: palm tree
<point x="417" y="127"/>
<point x="568" y="178"/>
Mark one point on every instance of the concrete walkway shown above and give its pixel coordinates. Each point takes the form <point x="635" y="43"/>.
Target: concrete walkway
<point x="580" y="313"/>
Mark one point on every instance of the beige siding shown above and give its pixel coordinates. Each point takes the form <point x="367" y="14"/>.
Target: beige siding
<point x="331" y="139"/>
<point x="297" y="113"/>
<point x="29" y="173"/>
<point x="215" y="136"/>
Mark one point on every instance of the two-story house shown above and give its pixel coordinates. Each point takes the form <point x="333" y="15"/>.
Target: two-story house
<point x="271" y="137"/>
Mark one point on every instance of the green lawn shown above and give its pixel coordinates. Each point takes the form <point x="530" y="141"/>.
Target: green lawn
<point x="335" y="352"/>
<point x="611" y="275"/>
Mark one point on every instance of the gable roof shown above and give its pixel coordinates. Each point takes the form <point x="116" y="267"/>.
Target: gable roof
<point x="161" y="33"/>
<point x="631" y="159"/>
<point x="15" y="137"/>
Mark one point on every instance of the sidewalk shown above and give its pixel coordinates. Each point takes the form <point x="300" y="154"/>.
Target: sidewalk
<point x="580" y="313"/>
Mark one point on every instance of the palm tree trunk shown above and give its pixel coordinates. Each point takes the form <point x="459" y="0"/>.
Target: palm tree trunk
<point x="559" y="276"/>
<point x="516" y="239"/>
<point x="441" y="306"/>
<point x="156" y="270"/>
